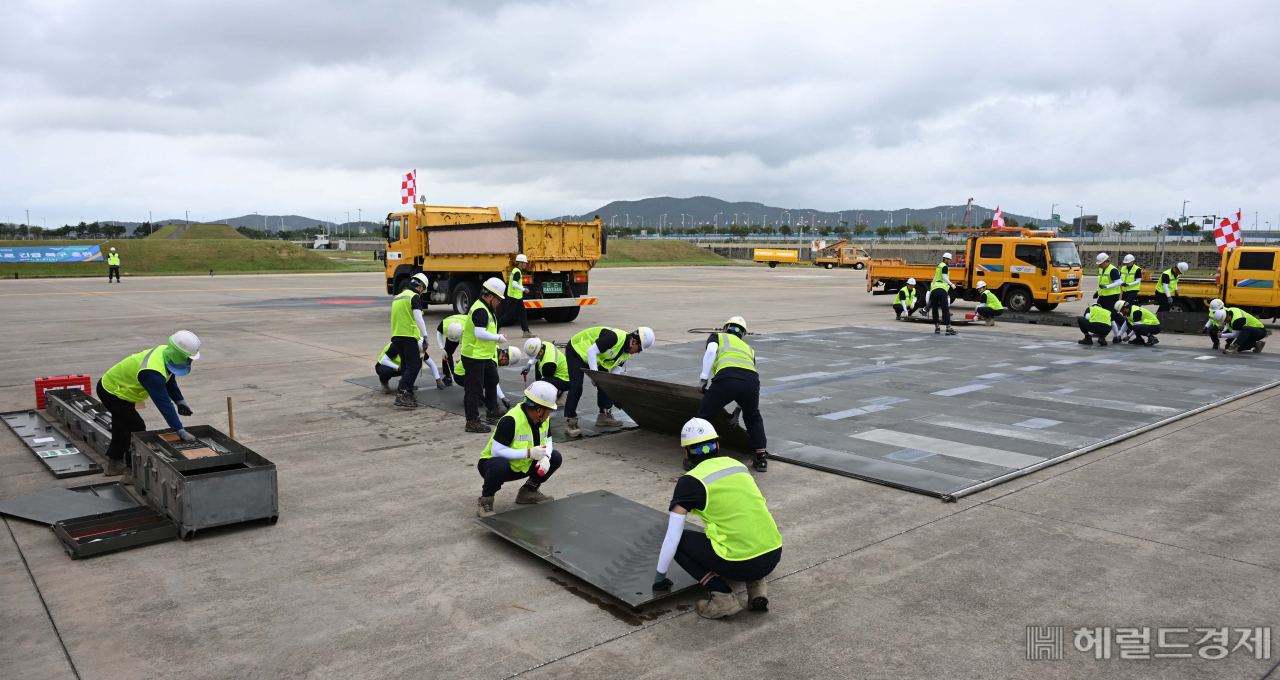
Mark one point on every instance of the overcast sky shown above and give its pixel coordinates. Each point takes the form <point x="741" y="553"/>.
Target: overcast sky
<point x="111" y="109"/>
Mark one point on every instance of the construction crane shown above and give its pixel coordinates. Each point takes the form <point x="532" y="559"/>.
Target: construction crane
<point x="968" y="215"/>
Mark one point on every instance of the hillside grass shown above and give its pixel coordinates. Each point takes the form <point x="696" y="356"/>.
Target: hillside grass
<point x="211" y="231"/>
<point x="171" y="257"/>
<point x="163" y="232"/>
<point x="658" y="253"/>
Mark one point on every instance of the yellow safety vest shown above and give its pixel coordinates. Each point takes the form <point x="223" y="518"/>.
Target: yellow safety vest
<point x="402" y="323"/>
<point x="1129" y="275"/>
<point x="474" y="347"/>
<point x="523" y="439"/>
<point x="738" y="522"/>
<point x="1249" y="319"/>
<point x="513" y="292"/>
<point x="122" y="379"/>
<point x="583" y="341"/>
<point x="938" y="281"/>
<point x="991" y="301"/>
<point x="552" y="355"/>
<point x="733" y="351"/>
<point x="113" y="259"/>
<point x="1104" y="279"/>
<point x="1173" y="282"/>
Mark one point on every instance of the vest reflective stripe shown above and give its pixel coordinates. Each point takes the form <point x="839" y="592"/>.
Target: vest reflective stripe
<point x="991" y="301"/>
<point x="523" y="439"/>
<point x="386" y="349"/>
<point x="1249" y="319"/>
<point x="733" y="351"/>
<point x="738" y="522"/>
<point x="1099" y="315"/>
<point x="1129" y="275"/>
<point x="113" y="259"/>
<point x="1142" y="316"/>
<point x="583" y="341"/>
<point x="906" y="296"/>
<point x="402" y="325"/>
<point x="513" y="292"/>
<point x="938" y="281"/>
<point x="552" y="355"/>
<point x="471" y="345"/>
<point x="1173" y="282"/>
<point x="122" y="379"/>
<point x="1104" y="278"/>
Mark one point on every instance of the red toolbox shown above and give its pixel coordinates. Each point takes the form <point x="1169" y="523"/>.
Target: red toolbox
<point x="58" y="382"/>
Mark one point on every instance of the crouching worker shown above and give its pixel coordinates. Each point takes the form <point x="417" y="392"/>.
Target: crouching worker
<point x="520" y="448"/>
<point x="741" y="543"/>
<point x="388" y="366"/>
<point x="905" y="301"/>
<point x="1097" y="322"/>
<point x="449" y="336"/>
<point x="989" y="306"/>
<point x="1144" y="324"/>
<point x="1242" y="327"/>
<point x="548" y="364"/>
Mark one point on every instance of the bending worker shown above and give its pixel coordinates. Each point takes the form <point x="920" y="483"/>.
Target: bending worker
<point x="149" y="373"/>
<point x="1167" y="286"/>
<point x="940" y="294"/>
<point x="599" y="348"/>
<point x="520" y="448"/>
<point x="905" y="301"/>
<point x="1144" y="324"/>
<point x="1131" y="277"/>
<point x="448" y="334"/>
<point x="514" y="307"/>
<point x="480" y="356"/>
<point x="1243" y="327"/>
<point x="388" y="367"/>
<point x="113" y="265"/>
<point x="741" y="542"/>
<point x="1096" y="321"/>
<point x="730" y="364"/>
<point x="989" y="306"/>
<point x="409" y="337"/>
<point x="549" y="365"/>
<point x="1213" y="326"/>
<point x="1109" y="284"/>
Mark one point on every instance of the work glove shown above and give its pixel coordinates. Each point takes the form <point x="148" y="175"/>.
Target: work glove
<point x="186" y="436"/>
<point x="544" y="465"/>
<point x="502" y="337"/>
<point x="703" y="388"/>
<point x="539" y="452"/>
<point x="183" y="409"/>
<point x="661" y="582"/>
<point x="1095" y="295"/>
<point x="525" y="373"/>
<point x="507" y="404"/>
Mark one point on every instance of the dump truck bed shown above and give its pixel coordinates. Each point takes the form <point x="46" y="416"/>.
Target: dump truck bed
<point x="894" y="272"/>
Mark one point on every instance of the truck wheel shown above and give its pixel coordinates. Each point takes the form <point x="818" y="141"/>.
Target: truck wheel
<point x="1178" y="305"/>
<point x="828" y="265"/>
<point x="1046" y="306"/>
<point x="400" y="285"/>
<point x="773" y="264"/>
<point x="859" y="265"/>
<point x="1019" y="300"/>
<point x="464" y="295"/>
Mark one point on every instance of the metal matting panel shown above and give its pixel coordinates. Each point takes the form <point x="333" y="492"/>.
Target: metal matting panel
<point x="113" y="490"/>
<point x="602" y="538"/>
<point x="84" y="415"/>
<point x="54" y="450"/>
<point x="943" y="415"/>
<point x="665" y="407"/>
<point x="54" y="505"/>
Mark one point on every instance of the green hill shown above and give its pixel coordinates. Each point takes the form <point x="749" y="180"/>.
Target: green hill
<point x="640" y="253"/>
<point x="206" y="231"/>
<point x="163" y="232"/>
<point x="147" y="257"/>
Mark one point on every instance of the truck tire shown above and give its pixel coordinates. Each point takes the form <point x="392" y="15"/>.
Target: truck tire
<point x="1046" y="306"/>
<point x="1019" y="300"/>
<point x="773" y="264"/>
<point x="561" y="314"/>
<point x="859" y="265"/>
<point x="464" y="295"/>
<point x="828" y="265"/>
<point x="1180" y="305"/>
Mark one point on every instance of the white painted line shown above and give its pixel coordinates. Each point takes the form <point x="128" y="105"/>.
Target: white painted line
<point x="960" y="390"/>
<point x="812" y="400"/>
<point x="1205" y="358"/>
<point x="1031" y="368"/>
<point x="883" y="400"/>
<point x="1108" y="361"/>
<point x="802" y="376"/>
<point x="994" y="376"/>
<point x="999" y="365"/>
<point x="1067" y="362"/>
<point x="1065" y="390"/>
<point x="1031" y="347"/>
<point x="1038" y="423"/>
<point x="914" y="340"/>
<point x="883" y="358"/>
<point x="841" y="415"/>
<point x="1057" y="438"/>
<point x="979" y="454"/>
<point x="842" y="363"/>
<point x="1103" y="403"/>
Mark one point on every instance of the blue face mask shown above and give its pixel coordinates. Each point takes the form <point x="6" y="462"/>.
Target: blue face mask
<point x="178" y="369"/>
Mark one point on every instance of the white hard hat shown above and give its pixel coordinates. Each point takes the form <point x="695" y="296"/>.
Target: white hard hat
<point x="1182" y="267"/>
<point x="496" y="286"/>
<point x="1102" y="257"/>
<point x="696" y="431"/>
<point x="532" y="345"/>
<point x="1128" y="258"/>
<point x="1119" y="306"/>
<point x="113" y="250"/>
<point x="187" y="343"/>
<point x="1219" y="315"/>
<point x="521" y="258"/>
<point x="737" y="321"/>
<point x="1215" y="304"/>
<point x="454" y="332"/>
<point x="420" y="278"/>
<point x="911" y="282"/>
<point x="646" y="337"/>
<point x="946" y="256"/>
<point x="542" y="393"/>
<point x="514" y="355"/>
<point x="982" y="284"/>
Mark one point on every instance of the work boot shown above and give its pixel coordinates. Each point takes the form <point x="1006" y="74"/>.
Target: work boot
<point x="760" y="462"/>
<point x="1087" y="341"/>
<point x="937" y="329"/>
<point x="477" y="426"/>
<point x="1153" y="341"/>
<point x="1231" y="349"/>
<point x="527" y="334"/>
<point x="386" y="388"/>
<point x="897" y="316"/>
<point x="571" y="428"/>
<point x="951" y="331"/>
<point x="719" y="606"/>
<point x="1215" y="346"/>
<point x="493" y="415"/>
<point x="1137" y="341"/>
<point x="113" y="468"/>
<point x="991" y="322"/>
<point x="529" y="495"/>
<point x="606" y="419"/>
<point x="484" y="506"/>
<point x="1258" y="347"/>
<point x="406" y="399"/>
<point x="688" y="465"/>
<point x="561" y="399"/>
<point x="1102" y="342"/>
<point x="758" y="596"/>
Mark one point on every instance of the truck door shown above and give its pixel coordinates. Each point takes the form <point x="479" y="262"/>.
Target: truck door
<point x="395" y="249"/>
<point x="989" y="265"/>
<point x="849" y="256"/>
<point x="1251" y="277"/>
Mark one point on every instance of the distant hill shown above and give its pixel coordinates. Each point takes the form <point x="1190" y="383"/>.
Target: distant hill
<point x="703" y="209"/>
<point x="271" y="223"/>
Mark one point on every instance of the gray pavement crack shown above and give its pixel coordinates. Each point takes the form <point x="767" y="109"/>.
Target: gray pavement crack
<point x="45" y="605"/>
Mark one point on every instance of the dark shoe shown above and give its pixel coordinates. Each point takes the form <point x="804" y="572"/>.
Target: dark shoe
<point x="484" y="506"/>
<point x="529" y="495"/>
<point x="937" y="328"/>
<point x="406" y="399"/>
<point x="493" y="415"/>
<point x="1231" y="349"/>
<point x="688" y="464"/>
<point x="386" y="388"/>
<point x="757" y="596"/>
<point x="1137" y="341"/>
<point x="1086" y="341"/>
<point x="761" y="462"/>
<point x="951" y="331"/>
<point x="1102" y="342"/>
<point x="447" y="379"/>
<point x="1153" y="341"/>
<point x="477" y="426"/>
<point x="606" y="419"/>
<point x="1258" y="347"/>
<point x="1216" y="346"/>
<point x="113" y="468"/>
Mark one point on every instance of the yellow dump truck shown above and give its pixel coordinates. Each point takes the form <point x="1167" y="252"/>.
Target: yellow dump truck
<point x="842" y="254"/>
<point x="459" y="248"/>
<point x="1248" y="279"/>
<point x="1023" y="268"/>
<point x="773" y="256"/>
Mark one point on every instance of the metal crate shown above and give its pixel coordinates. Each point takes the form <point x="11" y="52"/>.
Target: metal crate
<point x="87" y="418"/>
<point x="111" y="531"/>
<point x="238" y="486"/>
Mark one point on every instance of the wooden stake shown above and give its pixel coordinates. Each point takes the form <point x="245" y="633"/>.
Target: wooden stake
<point x="231" y="421"/>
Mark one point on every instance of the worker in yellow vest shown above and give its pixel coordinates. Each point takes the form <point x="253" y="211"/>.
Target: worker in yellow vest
<point x="520" y="448"/>
<point x="905" y="301"/>
<point x="1167" y="286"/>
<point x="940" y="294"/>
<point x="1130" y="279"/>
<point x="1141" y="323"/>
<point x="741" y="543"/>
<point x="389" y="366"/>
<point x="1213" y="327"/>
<point x="409" y="337"/>
<point x="1097" y="322"/>
<point x="480" y="338"/>
<point x="729" y="368"/>
<point x="1243" y="327"/>
<point x="113" y="265"/>
<point x="151" y="373"/>
<point x="989" y="306"/>
<point x="599" y="348"/>
<point x="513" y="307"/>
<point x="1109" y="284"/>
<point x="548" y="364"/>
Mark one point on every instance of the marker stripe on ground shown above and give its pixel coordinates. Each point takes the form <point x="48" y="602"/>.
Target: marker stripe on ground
<point x="979" y="454"/>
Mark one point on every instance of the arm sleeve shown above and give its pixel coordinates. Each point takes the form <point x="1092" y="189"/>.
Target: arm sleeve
<point x="592" y="351"/>
<point x="675" y="529"/>
<point x="1115" y="279"/>
<point x="708" y="360"/>
<point x="386" y="361"/>
<point x="500" y="394"/>
<point x="619" y="368"/>
<point x="504" y="451"/>
<point x="503" y="436"/>
<point x="159" y="393"/>
<point x="422" y="325"/>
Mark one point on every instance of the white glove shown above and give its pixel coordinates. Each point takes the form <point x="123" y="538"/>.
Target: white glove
<point x="502" y="337"/>
<point x="540" y="452"/>
<point x="544" y="465"/>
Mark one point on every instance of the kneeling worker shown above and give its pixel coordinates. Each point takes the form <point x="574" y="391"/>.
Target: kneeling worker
<point x="388" y="367"/>
<point x="1145" y="324"/>
<point x="448" y="335"/>
<point x="1213" y="327"/>
<point x="905" y="301"/>
<point x="149" y="373"/>
<point x="730" y="364"/>
<point x="989" y="307"/>
<point x="520" y="448"/>
<point x="548" y="364"/>
<point x="741" y="542"/>
<point x="599" y="348"/>
<point x="1096" y="321"/>
<point x="1243" y="327"/>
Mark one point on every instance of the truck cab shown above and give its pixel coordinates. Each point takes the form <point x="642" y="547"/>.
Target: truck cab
<point x="1024" y="270"/>
<point x="842" y="254"/>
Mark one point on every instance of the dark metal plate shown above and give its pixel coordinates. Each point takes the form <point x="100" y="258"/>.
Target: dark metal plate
<point x="58" y="454"/>
<point x="54" y="505"/>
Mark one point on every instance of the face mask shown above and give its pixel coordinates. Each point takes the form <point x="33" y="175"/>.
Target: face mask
<point x="178" y="369"/>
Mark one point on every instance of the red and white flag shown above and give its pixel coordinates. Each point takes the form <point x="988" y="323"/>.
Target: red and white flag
<point x="409" y="187"/>
<point x="998" y="220"/>
<point x="1227" y="233"/>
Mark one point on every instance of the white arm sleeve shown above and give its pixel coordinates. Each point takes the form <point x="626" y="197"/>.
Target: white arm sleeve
<point x="504" y="451"/>
<point x="592" y="351"/>
<point x="1165" y="287"/>
<point x="388" y="363"/>
<point x="1114" y="284"/>
<point x="616" y="370"/>
<point x="948" y="280"/>
<point x="675" y="529"/>
<point x="435" y="370"/>
<point x="708" y="360"/>
<point x="422" y="325"/>
<point x="1232" y="334"/>
<point x="486" y="335"/>
<point x="500" y="394"/>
